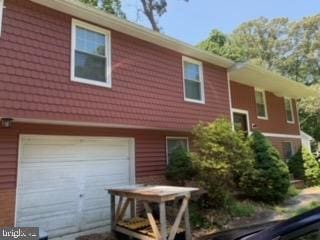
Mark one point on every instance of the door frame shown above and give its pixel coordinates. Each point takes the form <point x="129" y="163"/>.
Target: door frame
<point x="245" y="112"/>
<point x="131" y="151"/>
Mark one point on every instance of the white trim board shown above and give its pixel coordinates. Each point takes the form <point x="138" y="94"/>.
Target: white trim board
<point x="279" y="135"/>
<point x="1" y="14"/>
<point x="230" y="98"/>
<point x="91" y="124"/>
<point x="103" y="19"/>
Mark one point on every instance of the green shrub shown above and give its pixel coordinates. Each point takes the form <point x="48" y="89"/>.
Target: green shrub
<point x="223" y="156"/>
<point x="179" y="168"/>
<point x="197" y="219"/>
<point x="269" y="181"/>
<point x="295" y="165"/>
<point x="303" y="165"/>
<point x="311" y="168"/>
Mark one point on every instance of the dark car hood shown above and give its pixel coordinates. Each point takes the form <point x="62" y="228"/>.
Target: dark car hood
<point x="237" y="233"/>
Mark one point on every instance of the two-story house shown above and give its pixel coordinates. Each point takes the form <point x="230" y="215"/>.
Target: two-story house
<point x="89" y="101"/>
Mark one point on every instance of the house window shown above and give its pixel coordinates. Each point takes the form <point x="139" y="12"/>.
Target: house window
<point x="193" y="80"/>
<point x="289" y="110"/>
<point x="174" y="143"/>
<point x="261" y="104"/>
<point x="91" y="57"/>
<point x="287" y="150"/>
<point x="1" y="13"/>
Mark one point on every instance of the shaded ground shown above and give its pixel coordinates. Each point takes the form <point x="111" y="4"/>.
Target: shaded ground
<point x="290" y="207"/>
<point x="306" y="198"/>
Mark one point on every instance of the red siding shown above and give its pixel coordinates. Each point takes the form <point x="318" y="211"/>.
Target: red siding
<point x="150" y="147"/>
<point x="243" y="97"/>
<point x="277" y="143"/>
<point x="147" y="86"/>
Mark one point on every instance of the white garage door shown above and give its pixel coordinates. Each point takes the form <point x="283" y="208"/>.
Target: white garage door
<point x="62" y="181"/>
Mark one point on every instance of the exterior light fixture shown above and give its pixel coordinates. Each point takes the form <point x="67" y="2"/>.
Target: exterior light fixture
<point x="6" y="122"/>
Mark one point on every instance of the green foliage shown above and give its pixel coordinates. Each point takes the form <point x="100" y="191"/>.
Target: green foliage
<point x="290" y="48"/>
<point x="312" y="205"/>
<point x="269" y="181"/>
<point x="292" y="192"/>
<point x="223" y="156"/>
<point x="180" y="167"/>
<point x="240" y="209"/>
<point x="310" y="114"/>
<point x="221" y="44"/>
<point x="303" y="165"/>
<point x="197" y="220"/>
<point x="110" y="6"/>
<point x="295" y="165"/>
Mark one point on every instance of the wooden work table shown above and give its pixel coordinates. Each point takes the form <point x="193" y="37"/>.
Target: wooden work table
<point x="151" y="194"/>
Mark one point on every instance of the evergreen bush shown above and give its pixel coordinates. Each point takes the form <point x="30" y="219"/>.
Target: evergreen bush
<point x="269" y="181"/>
<point x="303" y="165"/>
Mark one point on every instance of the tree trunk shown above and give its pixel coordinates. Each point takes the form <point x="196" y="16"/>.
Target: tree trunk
<point x="148" y="11"/>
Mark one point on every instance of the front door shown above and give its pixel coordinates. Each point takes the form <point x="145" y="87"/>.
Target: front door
<point x="240" y="122"/>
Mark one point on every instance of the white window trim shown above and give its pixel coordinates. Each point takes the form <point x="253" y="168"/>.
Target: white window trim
<point x="1" y="14"/>
<point x="107" y="34"/>
<point x="172" y="137"/>
<point x="242" y="111"/>
<point x="187" y="59"/>
<point x="264" y="101"/>
<point x="291" y="108"/>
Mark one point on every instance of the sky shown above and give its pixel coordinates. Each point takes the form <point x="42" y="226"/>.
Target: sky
<point x="193" y="21"/>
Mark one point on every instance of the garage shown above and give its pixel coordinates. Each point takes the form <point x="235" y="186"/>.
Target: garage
<point x="62" y="181"/>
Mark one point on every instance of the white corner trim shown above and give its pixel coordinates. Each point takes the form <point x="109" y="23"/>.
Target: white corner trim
<point x="108" y="66"/>
<point x="191" y="60"/>
<point x="279" y="135"/>
<point x="1" y="14"/>
<point x="264" y="101"/>
<point x="230" y="98"/>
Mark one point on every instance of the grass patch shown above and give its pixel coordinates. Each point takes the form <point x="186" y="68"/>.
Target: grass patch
<point x="291" y="213"/>
<point x="241" y="208"/>
<point x="304" y="209"/>
<point x="292" y="192"/>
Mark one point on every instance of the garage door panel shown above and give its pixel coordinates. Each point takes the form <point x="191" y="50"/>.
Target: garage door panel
<point x="62" y="181"/>
<point x="95" y="219"/>
<point x="56" y="226"/>
<point x="43" y="151"/>
<point x="42" y="178"/>
<point x="47" y="198"/>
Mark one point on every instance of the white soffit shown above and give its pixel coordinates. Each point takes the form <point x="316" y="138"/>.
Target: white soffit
<point x="255" y="76"/>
